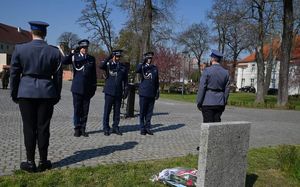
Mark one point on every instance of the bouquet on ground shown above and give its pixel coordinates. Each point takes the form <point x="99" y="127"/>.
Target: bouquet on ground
<point x="177" y="177"/>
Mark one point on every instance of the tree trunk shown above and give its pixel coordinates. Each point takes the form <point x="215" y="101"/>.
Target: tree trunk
<point x="260" y="58"/>
<point x="286" y="46"/>
<point x="147" y="28"/>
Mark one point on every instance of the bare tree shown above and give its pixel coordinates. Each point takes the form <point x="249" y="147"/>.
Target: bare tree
<point x="286" y="46"/>
<point x="195" y="39"/>
<point x="95" y="18"/>
<point x="147" y="19"/>
<point x="68" y="41"/>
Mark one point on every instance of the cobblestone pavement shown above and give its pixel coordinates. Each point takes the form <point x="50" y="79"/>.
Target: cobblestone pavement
<point x="175" y="126"/>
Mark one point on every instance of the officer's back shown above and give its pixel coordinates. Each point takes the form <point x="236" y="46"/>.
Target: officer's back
<point x="37" y="59"/>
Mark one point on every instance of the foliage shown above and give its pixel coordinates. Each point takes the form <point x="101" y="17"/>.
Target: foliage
<point x="168" y="62"/>
<point x="242" y="100"/>
<point x="288" y="160"/>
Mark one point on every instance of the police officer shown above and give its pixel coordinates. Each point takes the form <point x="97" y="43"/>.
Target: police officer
<point x="84" y="84"/>
<point x="213" y="89"/>
<point x="36" y="81"/>
<point x="5" y="77"/>
<point x="148" y="91"/>
<point x="115" y="89"/>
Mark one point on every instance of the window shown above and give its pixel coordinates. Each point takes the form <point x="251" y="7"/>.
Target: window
<point x="251" y="82"/>
<point x="253" y="67"/>
<point x="243" y="82"/>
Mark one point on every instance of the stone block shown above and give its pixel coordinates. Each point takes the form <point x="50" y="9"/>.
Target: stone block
<point x="223" y="154"/>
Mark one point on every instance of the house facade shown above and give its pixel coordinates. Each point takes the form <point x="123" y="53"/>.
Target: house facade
<point x="9" y="37"/>
<point x="246" y="73"/>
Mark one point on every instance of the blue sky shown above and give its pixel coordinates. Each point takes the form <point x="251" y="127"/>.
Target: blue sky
<point x="62" y="15"/>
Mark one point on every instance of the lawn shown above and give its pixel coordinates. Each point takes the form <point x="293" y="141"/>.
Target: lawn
<point x="263" y="170"/>
<point x="240" y="99"/>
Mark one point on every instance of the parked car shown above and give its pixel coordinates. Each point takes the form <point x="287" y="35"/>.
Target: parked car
<point x="250" y="89"/>
<point x="272" y="91"/>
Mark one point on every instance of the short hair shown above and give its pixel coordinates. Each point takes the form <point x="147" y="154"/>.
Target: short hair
<point x="217" y="59"/>
<point x="39" y="33"/>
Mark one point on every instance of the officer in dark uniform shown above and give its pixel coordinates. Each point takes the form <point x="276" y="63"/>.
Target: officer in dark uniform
<point x="213" y="89"/>
<point x="148" y="91"/>
<point x="115" y="89"/>
<point x="36" y="81"/>
<point x="84" y="85"/>
<point x="5" y="77"/>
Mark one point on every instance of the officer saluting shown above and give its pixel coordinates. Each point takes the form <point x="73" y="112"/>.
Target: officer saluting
<point x="116" y="88"/>
<point x="84" y="85"/>
<point x="213" y="89"/>
<point x="148" y="91"/>
<point x="35" y="81"/>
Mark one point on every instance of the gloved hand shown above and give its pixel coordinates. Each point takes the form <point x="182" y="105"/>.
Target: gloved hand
<point x="15" y="100"/>
<point x="199" y="106"/>
<point x="125" y="94"/>
<point x="77" y="50"/>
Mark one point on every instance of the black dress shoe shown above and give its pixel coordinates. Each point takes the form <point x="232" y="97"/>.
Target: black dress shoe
<point x="77" y="133"/>
<point x="148" y="131"/>
<point x="143" y="132"/>
<point x="28" y="166"/>
<point x="117" y="131"/>
<point x="83" y="133"/>
<point x="44" y="165"/>
<point x="106" y="133"/>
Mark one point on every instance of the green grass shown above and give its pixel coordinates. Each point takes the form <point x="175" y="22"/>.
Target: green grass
<point x="263" y="170"/>
<point x="240" y="99"/>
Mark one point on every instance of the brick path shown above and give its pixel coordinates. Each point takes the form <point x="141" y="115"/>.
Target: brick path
<point x="175" y="124"/>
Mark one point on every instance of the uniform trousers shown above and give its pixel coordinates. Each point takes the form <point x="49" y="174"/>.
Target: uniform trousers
<point x="146" y="111"/>
<point x="115" y="103"/>
<point x="212" y="113"/>
<point x="81" y="105"/>
<point x="36" y="115"/>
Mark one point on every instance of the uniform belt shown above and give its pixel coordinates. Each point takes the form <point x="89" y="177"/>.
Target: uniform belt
<point x="38" y="76"/>
<point x="215" y="90"/>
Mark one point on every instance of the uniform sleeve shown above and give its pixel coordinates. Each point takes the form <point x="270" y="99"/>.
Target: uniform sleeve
<point x="15" y="73"/>
<point x="67" y="59"/>
<point x="227" y="90"/>
<point x="94" y="73"/>
<point x="103" y="64"/>
<point x="125" y="83"/>
<point x="202" y="88"/>
<point x="139" y="68"/>
<point x="57" y="75"/>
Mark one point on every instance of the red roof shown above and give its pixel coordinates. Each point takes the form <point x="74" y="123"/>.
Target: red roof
<point x="276" y="50"/>
<point x="11" y="35"/>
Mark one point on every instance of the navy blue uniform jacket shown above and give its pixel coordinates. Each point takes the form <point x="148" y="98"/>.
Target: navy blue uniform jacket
<point x="84" y="74"/>
<point x="116" y="83"/>
<point x="149" y="85"/>
<point x="36" y="71"/>
<point x="214" y="86"/>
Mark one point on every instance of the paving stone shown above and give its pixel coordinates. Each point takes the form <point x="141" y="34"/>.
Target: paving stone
<point x="176" y="127"/>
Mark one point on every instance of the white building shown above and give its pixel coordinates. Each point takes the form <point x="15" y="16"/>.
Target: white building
<point x="246" y="72"/>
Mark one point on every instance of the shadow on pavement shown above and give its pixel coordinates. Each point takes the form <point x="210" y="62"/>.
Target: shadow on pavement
<point x="136" y="127"/>
<point x="92" y="153"/>
<point x="169" y="127"/>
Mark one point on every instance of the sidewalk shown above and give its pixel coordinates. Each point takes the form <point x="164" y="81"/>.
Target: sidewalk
<point x="176" y="127"/>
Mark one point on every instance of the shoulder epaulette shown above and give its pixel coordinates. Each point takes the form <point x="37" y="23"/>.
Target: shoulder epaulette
<point x="54" y="46"/>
